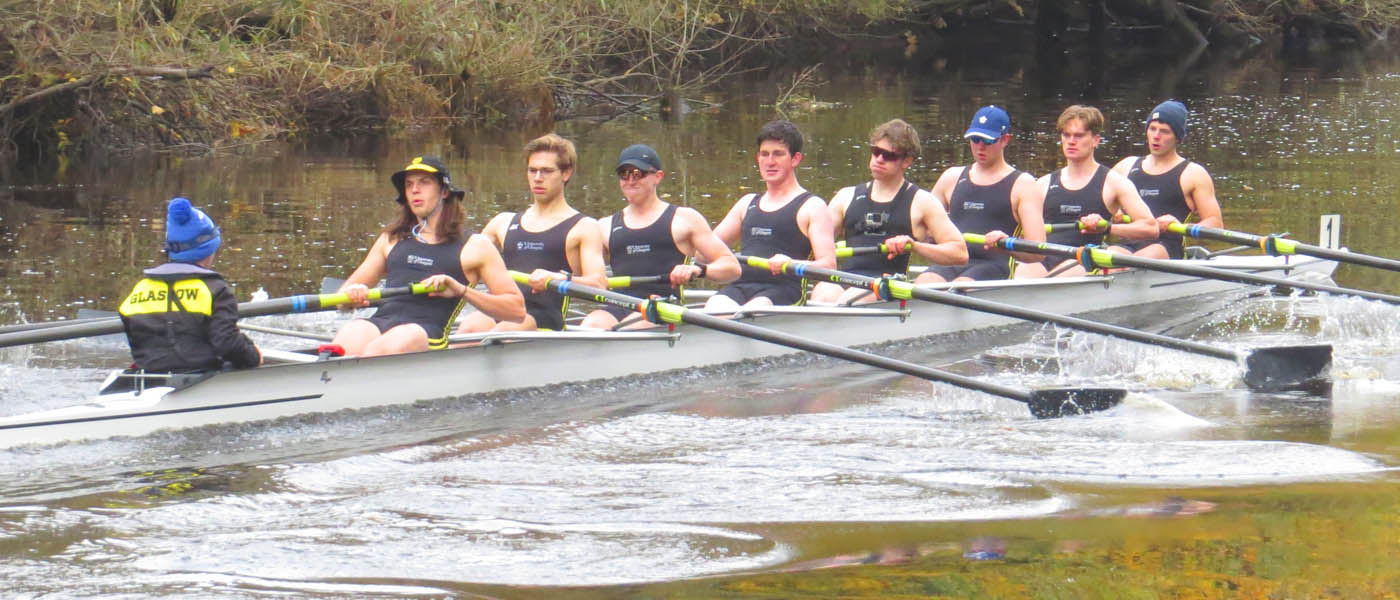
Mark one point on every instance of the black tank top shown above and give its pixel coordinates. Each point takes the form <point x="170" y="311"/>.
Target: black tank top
<point x="868" y="223"/>
<point x="411" y="261"/>
<point x="526" y="251"/>
<point x="982" y="208"/>
<point x="650" y="250"/>
<point x="1164" y="196"/>
<point x="765" y="234"/>
<point x="1064" y="205"/>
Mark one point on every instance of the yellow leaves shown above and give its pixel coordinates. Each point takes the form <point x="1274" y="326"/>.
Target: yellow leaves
<point x="156" y="110"/>
<point x="238" y="129"/>
<point x="229" y="70"/>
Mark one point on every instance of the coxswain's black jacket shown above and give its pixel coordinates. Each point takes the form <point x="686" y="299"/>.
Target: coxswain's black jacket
<point x="183" y="318"/>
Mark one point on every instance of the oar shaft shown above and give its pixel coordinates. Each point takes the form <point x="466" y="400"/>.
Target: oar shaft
<point x="1105" y="259"/>
<point x="906" y="290"/>
<point x="290" y="304"/>
<point x="1273" y="244"/>
<point x="47" y="324"/>
<point x="671" y="313"/>
<point x="622" y="281"/>
<point x="849" y="251"/>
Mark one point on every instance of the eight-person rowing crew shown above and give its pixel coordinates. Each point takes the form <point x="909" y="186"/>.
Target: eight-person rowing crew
<point x="1129" y="208"/>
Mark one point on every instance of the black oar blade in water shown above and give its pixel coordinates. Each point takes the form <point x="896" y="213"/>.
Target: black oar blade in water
<point x="1284" y="368"/>
<point x="1049" y="403"/>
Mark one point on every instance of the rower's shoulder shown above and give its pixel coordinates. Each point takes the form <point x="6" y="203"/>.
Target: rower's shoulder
<point x="1126" y="164"/>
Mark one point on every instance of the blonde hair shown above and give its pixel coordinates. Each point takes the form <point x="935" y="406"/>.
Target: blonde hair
<point x="565" y="155"/>
<point x="1091" y="117"/>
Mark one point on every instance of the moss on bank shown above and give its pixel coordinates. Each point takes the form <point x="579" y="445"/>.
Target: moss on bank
<point x="195" y="75"/>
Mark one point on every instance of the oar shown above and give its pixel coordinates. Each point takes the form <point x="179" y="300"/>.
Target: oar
<point x="1043" y="403"/>
<point x="849" y="251"/>
<point x="622" y="281"/>
<point x="1091" y="256"/>
<point x="1076" y="225"/>
<point x="1276" y="245"/>
<point x="1266" y="369"/>
<point x="47" y="324"/>
<point x="289" y="304"/>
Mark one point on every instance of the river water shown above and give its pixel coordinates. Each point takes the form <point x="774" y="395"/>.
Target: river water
<point x="798" y="477"/>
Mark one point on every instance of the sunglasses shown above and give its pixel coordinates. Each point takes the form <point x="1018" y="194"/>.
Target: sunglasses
<point x="885" y="155"/>
<point x="633" y="174"/>
<point x="982" y="140"/>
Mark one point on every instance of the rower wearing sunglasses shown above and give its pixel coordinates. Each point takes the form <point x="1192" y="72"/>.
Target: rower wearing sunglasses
<point x="892" y="211"/>
<point x="991" y="197"/>
<point x="650" y="236"/>
<point x="782" y="224"/>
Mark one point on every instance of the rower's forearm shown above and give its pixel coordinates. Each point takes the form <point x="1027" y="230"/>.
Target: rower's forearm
<point x="501" y="307"/>
<point x="724" y="270"/>
<point x="1137" y="230"/>
<point x="944" y="253"/>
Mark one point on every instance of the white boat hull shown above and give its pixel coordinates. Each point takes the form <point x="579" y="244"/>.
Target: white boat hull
<point x="542" y="359"/>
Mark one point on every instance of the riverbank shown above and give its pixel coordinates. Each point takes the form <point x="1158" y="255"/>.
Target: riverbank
<point x="198" y="76"/>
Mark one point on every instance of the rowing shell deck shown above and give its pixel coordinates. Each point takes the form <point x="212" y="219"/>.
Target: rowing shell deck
<point x="513" y="361"/>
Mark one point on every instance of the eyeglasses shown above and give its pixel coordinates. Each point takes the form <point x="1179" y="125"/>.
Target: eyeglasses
<point x="633" y="174"/>
<point x="982" y="140"/>
<point x="541" y="171"/>
<point x="885" y="155"/>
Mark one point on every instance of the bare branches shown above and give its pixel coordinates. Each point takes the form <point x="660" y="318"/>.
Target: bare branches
<point x="73" y="84"/>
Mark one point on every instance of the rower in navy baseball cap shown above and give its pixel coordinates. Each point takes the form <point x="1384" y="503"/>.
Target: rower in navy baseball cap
<point x="640" y="156"/>
<point x="990" y="123"/>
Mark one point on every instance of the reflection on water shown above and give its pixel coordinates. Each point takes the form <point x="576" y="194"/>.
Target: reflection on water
<point x="753" y="480"/>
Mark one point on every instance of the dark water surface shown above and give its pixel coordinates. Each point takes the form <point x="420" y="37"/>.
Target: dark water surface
<point x="794" y="478"/>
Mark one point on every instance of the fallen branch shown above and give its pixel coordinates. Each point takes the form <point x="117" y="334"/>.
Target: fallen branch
<point x="169" y="73"/>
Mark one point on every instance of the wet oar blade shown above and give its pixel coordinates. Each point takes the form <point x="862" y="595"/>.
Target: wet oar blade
<point x="1283" y="368"/>
<point x="1049" y="403"/>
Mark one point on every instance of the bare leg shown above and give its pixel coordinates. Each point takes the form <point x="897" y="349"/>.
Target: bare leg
<point x="409" y="337"/>
<point x="1153" y="251"/>
<point x="825" y="291"/>
<point x="929" y="276"/>
<point x="720" y="303"/>
<point x="599" y="319"/>
<point x="476" y="322"/>
<point x="355" y="335"/>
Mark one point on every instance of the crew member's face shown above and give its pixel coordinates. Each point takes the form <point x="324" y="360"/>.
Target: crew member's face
<point x="423" y="192"/>
<point x="1160" y="138"/>
<point x="886" y="161"/>
<point x="985" y="151"/>
<point x="637" y="184"/>
<point x="1077" y="141"/>
<point x="545" y="177"/>
<point x="775" y="162"/>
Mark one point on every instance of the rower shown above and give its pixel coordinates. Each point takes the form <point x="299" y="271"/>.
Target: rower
<point x="1089" y="193"/>
<point x="784" y="223"/>
<point x="548" y="240"/>
<point x="892" y="211"/>
<point x="649" y="236"/>
<point x="426" y="244"/>
<point x="182" y="317"/>
<point x="989" y="196"/>
<point x="1172" y="186"/>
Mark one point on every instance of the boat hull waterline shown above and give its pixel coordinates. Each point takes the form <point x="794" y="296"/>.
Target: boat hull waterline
<point x="541" y="358"/>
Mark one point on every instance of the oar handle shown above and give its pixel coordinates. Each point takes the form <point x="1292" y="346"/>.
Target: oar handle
<point x="1076" y="225"/>
<point x="849" y="251"/>
<point x="622" y="281"/>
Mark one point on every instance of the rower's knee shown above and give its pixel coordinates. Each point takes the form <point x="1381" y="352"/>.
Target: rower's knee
<point x="599" y="319"/>
<point x="825" y="291"/>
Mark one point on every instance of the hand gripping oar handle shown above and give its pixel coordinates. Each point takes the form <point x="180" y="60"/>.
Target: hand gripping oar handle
<point x="1076" y="225"/>
<point x="849" y="251"/>
<point x="290" y="304"/>
<point x="1091" y="257"/>
<point x="1277" y="245"/>
<point x="1043" y="403"/>
<point x="1266" y="369"/>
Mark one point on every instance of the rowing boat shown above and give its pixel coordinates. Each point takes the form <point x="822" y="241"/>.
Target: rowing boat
<point x="301" y="383"/>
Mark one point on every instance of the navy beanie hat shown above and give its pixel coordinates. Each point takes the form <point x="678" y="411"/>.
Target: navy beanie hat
<point x="1173" y="114"/>
<point x="190" y="235"/>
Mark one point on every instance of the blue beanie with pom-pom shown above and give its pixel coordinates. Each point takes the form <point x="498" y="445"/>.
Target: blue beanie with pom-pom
<point x="190" y="235"/>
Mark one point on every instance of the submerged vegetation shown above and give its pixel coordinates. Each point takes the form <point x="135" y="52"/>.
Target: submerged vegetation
<point x="194" y="75"/>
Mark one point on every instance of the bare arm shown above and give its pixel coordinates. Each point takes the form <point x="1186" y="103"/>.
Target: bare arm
<point x="481" y="262"/>
<point x="721" y="265"/>
<point x="819" y="232"/>
<point x="370" y="271"/>
<point x="943" y="188"/>
<point x="728" y="229"/>
<point x="948" y="247"/>
<point x="1200" y="196"/>
<point x="1120" y="195"/>
<point x="586" y="254"/>
<point x="1028" y="204"/>
<point x="838" y="206"/>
